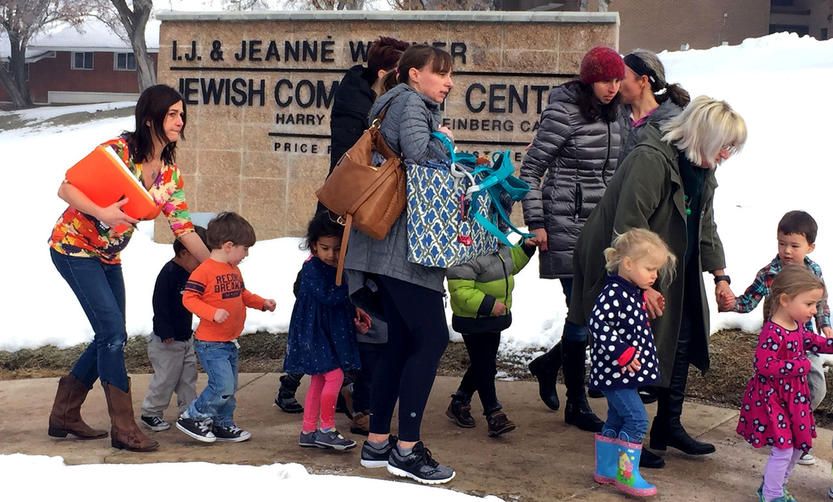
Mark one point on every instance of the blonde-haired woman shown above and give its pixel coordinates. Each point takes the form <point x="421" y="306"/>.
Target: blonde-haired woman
<point x="666" y="184"/>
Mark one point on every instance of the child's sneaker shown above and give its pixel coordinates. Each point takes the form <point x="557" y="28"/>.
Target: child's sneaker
<point x="156" y="424"/>
<point x="307" y="440"/>
<point x="807" y="459"/>
<point x="373" y="457"/>
<point x="334" y="440"/>
<point x="231" y="433"/>
<point x="199" y="430"/>
<point x="419" y="466"/>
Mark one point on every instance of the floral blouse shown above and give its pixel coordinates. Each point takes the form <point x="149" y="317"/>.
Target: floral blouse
<point x="81" y="235"/>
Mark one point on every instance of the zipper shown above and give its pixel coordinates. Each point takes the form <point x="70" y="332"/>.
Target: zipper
<point x="505" y="279"/>
<point x="579" y="201"/>
<point x="607" y="157"/>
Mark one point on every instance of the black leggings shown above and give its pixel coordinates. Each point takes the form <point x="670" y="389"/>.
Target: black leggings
<point x="480" y="375"/>
<point x="417" y="338"/>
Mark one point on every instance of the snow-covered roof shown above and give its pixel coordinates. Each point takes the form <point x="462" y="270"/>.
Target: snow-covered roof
<point x="90" y="36"/>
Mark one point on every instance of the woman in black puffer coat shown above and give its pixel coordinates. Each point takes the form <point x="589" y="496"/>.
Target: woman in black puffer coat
<point x="568" y="165"/>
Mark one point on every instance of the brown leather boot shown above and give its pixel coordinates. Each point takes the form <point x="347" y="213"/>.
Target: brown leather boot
<point x="65" y="417"/>
<point x="360" y="424"/>
<point x="124" y="433"/>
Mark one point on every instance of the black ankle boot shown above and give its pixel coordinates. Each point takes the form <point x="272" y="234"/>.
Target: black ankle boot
<point x="286" y="394"/>
<point x="545" y="369"/>
<point x="680" y="439"/>
<point x="650" y="460"/>
<point x="577" y="411"/>
<point x="459" y="410"/>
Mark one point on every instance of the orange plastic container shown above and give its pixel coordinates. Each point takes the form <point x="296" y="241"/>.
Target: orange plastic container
<point x="105" y="179"/>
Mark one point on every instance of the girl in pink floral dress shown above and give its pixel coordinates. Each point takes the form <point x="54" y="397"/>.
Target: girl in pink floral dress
<point x="776" y="405"/>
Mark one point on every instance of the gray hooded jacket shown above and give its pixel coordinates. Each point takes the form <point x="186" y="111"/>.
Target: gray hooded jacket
<point x="567" y="168"/>
<point x="409" y="121"/>
<point x="631" y="135"/>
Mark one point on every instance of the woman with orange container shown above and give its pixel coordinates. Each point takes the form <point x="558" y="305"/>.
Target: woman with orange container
<point x="85" y="246"/>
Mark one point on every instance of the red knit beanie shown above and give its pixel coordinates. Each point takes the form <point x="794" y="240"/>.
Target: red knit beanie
<point x="601" y="64"/>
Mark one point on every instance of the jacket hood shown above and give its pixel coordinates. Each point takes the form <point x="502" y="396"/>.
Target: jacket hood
<point x="566" y="93"/>
<point x="354" y="81"/>
<point x="665" y="112"/>
<point x="400" y="90"/>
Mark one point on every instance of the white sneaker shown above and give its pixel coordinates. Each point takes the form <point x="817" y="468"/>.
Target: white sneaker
<point x="807" y="459"/>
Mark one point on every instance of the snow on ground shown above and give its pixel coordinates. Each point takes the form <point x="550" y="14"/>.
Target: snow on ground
<point x="770" y="81"/>
<point x="24" y="474"/>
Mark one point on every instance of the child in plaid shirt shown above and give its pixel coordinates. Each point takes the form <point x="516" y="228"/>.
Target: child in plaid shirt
<point x="796" y="239"/>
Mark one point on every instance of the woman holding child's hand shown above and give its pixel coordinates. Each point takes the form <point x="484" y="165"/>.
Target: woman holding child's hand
<point x="666" y="184"/>
<point x="85" y="248"/>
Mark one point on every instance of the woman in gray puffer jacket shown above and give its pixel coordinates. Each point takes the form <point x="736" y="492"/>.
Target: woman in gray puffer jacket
<point x="568" y="165"/>
<point x="410" y="295"/>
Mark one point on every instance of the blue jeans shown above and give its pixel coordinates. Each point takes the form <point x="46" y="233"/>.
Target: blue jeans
<point x="625" y="413"/>
<point x="217" y="402"/>
<point x="572" y="332"/>
<point x="99" y="288"/>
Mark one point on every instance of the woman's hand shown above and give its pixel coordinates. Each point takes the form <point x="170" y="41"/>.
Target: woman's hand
<point x="445" y="130"/>
<point x="539" y="238"/>
<point x="654" y="303"/>
<point x="724" y="297"/>
<point x="113" y="216"/>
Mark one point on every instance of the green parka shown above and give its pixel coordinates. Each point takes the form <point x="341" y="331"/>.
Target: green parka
<point x="647" y="192"/>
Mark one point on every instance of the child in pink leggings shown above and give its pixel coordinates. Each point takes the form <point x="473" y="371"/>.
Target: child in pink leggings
<point x="322" y="335"/>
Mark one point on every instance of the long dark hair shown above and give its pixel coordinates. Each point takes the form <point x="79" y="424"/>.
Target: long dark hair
<point x="591" y="108"/>
<point x="152" y="107"/>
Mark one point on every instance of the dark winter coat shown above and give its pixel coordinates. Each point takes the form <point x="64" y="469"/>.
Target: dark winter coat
<point x="647" y="192"/>
<point x="567" y="167"/>
<point x="621" y="333"/>
<point x="407" y="128"/>
<point x="630" y="134"/>
<point x="171" y="320"/>
<point x="322" y="336"/>
<point x="351" y="106"/>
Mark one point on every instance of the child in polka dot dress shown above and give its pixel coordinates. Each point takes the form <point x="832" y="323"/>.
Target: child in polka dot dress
<point x="776" y="404"/>
<point x="623" y="356"/>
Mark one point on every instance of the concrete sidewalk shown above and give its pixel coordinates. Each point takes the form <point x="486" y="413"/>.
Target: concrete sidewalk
<point x="543" y="460"/>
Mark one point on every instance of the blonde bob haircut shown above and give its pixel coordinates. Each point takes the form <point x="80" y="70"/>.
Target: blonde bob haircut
<point x="705" y="127"/>
<point x="638" y="243"/>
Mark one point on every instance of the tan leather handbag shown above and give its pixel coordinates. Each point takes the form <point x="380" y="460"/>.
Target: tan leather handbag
<point x="362" y="195"/>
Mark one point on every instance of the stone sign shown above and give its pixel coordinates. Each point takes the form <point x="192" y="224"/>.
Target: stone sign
<point x="259" y="88"/>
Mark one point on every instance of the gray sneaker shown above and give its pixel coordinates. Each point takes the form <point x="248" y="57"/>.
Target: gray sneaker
<point x="334" y="440"/>
<point x="156" y="424"/>
<point x="419" y="466"/>
<point x="307" y="440"/>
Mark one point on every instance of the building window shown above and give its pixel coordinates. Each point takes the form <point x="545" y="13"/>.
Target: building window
<point x="82" y="60"/>
<point x="824" y="34"/>
<point x="798" y="29"/>
<point x="125" y="61"/>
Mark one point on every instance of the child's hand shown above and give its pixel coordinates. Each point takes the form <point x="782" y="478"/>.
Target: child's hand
<point x="634" y="365"/>
<point x="499" y="308"/>
<point x="220" y="316"/>
<point x="362" y="321"/>
<point x="827" y="331"/>
<point x="269" y="305"/>
<point x="726" y="300"/>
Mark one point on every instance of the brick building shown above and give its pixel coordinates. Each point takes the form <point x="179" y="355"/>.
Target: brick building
<point x="698" y="24"/>
<point x="87" y="66"/>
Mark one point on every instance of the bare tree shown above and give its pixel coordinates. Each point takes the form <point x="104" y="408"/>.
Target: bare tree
<point x="466" y="5"/>
<point x="327" y="4"/>
<point x="21" y="20"/>
<point x="129" y="20"/>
